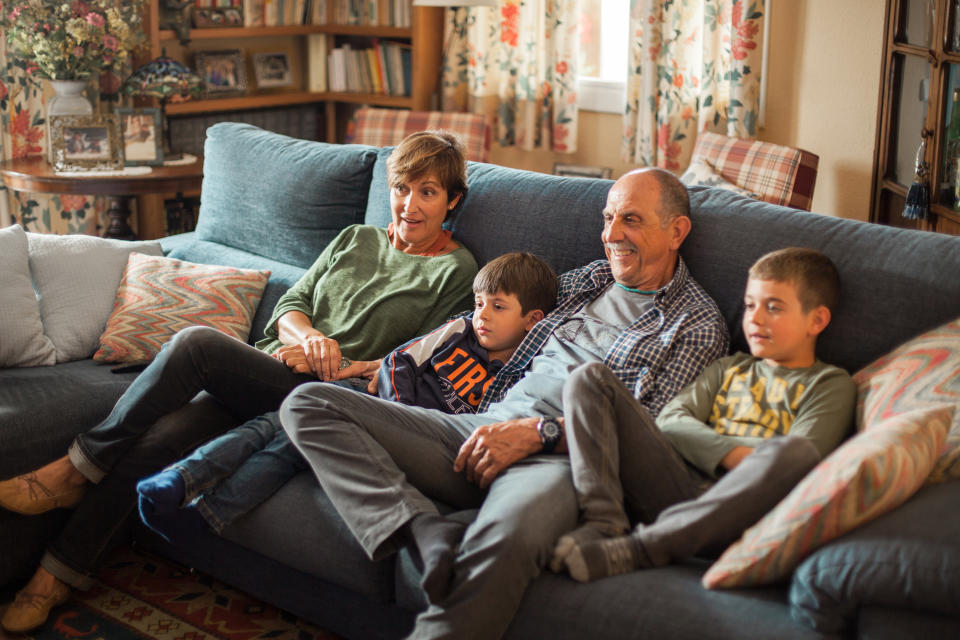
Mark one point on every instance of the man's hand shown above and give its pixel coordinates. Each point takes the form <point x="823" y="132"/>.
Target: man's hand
<point x="494" y="447"/>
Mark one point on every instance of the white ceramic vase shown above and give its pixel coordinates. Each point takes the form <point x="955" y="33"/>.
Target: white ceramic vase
<point x="68" y="100"/>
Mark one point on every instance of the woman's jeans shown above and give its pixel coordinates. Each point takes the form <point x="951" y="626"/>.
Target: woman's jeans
<point x="157" y="420"/>
<point x="234" y="473"/>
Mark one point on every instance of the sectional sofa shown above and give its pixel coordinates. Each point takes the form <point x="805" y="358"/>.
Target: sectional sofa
<point x="272" y="202"/>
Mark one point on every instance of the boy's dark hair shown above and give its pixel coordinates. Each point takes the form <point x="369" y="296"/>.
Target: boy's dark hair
<point x="523" y="275"/>
<point x="812" y="273"/>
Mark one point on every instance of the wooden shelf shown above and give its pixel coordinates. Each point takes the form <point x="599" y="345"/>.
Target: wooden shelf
<point x="260" y="101"/>
<point x="298" y="30"/>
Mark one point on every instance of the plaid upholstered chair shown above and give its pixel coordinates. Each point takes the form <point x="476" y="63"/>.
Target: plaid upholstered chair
<point x="762" y="170"/>
<point x="385" y="127"/>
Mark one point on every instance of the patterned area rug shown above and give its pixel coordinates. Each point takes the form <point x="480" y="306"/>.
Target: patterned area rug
<point x="140" y="596"/>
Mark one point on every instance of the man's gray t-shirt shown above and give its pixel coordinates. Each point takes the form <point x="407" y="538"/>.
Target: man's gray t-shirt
<point x="586" y="336"/>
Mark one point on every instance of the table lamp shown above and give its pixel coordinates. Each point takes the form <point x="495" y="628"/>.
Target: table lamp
<point x="164" y="78"/>
<point x="459" y="29"/>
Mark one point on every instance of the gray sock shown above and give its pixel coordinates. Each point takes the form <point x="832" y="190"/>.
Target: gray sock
<point x="605" y="557"/>
<point x="566" y="543"/>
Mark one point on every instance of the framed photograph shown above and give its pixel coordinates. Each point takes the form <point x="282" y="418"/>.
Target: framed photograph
<point x="206" y="18"/>
<point x="581" y="171"/>
<point x="272" y="69"/>
<point x="85" y="143"/>
<point x="224" y="73"/>
<point x="142" y="134"/>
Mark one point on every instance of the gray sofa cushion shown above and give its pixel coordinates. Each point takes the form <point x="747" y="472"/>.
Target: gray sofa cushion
<point x="284" y="199"/>
<point x="43" y="408"/>
<point x="299" y="527"/>
<point x="909" y="557"/>
<point x="886" y="280"/>
<point x="501" y="213"/>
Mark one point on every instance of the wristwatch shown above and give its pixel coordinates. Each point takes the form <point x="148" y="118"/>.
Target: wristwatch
<point x="550" y="431"/>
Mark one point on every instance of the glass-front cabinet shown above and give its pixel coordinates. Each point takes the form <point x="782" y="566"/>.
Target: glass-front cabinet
<point x="919" y="102"/>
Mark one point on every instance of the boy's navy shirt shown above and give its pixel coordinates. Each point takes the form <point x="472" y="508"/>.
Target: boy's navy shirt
<point x="446" y="369"/>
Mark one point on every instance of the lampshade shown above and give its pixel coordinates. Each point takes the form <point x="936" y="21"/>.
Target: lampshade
<point x="163" y="78"/>
<point x="455" y="3"/>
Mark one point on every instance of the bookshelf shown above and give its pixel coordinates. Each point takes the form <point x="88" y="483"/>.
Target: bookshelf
<point x="424" y="37"/>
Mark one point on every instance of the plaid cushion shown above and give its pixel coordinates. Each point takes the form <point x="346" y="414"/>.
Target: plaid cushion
<point x="777" y="174"/>
<point x="386" y="127"/>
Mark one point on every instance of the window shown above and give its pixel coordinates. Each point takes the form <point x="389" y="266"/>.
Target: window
<point x="604" y="31"/>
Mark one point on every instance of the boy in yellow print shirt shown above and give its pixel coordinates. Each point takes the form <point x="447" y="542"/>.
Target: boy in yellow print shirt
<point x="725" y="450"/>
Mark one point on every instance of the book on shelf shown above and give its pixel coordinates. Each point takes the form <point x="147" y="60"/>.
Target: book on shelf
<point x="318" y="12"/>
<point x="317" y="62"/>
<point x="253" y="13"/>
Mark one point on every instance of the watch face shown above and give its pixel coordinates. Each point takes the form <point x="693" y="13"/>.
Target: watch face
<point x="551" y="429"/>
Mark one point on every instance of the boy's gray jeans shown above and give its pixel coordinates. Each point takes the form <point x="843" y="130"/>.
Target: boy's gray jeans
<point x="626" y="472"/>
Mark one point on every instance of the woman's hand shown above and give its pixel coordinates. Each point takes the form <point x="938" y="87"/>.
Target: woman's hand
<point x="293" y="357"/>
<point x="323" y="356"/>
<point x="368" y="369"/>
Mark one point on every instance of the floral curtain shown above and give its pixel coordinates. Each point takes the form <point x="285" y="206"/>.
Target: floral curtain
<point x="517" y="63"/>
<point x="23" y="134"/>
<point x="694" y="66"/>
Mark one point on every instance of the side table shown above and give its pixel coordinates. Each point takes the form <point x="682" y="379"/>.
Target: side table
<point x="37" y="176"/>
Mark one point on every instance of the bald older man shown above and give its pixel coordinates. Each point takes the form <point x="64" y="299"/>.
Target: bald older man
<point x="382" y="464"/>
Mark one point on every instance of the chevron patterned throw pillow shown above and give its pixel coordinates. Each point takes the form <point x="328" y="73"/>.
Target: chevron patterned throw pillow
<point x="868" y="475"/>
<point x="159" y="296"/>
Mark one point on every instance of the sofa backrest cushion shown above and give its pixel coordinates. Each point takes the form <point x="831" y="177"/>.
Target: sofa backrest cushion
<point x="559" y="219"/>
<point x="896" y="283"/>
<point x="277" y="196"/>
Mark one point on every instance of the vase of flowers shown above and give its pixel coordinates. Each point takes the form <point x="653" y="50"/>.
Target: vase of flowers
<point x="68" y="41"/>
<point x="72" y="39"/>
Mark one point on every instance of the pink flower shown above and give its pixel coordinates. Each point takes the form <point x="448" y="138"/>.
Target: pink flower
<point x="509" y="29"/>
<point x="670" y="149"/>
<point x="95" y="19"/>
<point x="678" y="80"/>
<point x="15" y="13"/>
<point x="562" y="67"/>
<point x="110" y="42"/>
<point x="72" y="203"/>
<point x="78" y="52"/>
<point x="560" y="134"/>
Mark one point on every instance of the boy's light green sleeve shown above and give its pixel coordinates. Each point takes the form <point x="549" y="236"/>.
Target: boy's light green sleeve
<point x="826" y="413"/>
<point x="684" y="420"/>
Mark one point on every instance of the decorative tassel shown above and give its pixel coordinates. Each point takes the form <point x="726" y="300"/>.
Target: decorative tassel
<point x="917" y="205"/>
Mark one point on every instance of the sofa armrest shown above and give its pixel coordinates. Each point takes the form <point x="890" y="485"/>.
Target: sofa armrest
<point x="908" y="558"/>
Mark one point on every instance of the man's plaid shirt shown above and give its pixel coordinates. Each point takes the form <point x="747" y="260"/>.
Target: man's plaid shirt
<point x="656" y="356"/>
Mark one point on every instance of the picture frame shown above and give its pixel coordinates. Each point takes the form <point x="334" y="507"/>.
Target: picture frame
<point x="211" y="18"/>
<point x="141" y="132"/>
<point x="86" y="143"/>
<point x="224" y="73"/>
<point x="272" y="69"/>
<point x="581" y="171"/>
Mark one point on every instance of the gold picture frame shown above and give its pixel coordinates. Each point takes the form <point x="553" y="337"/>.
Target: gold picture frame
<point x="224" y="73"/>
<point x="85" y="143"/>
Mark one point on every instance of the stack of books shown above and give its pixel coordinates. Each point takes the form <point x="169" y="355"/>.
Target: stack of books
<point x="383" y="69"/>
